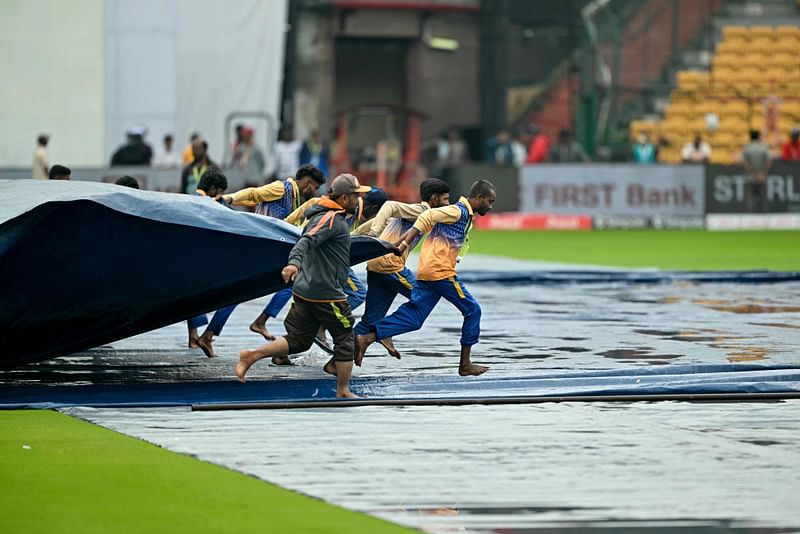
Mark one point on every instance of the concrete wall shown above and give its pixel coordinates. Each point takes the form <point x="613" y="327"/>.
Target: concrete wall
<point x="52" y="65"/>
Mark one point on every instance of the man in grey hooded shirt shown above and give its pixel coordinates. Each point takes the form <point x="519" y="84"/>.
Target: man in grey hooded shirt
<point x="318" y="265"/>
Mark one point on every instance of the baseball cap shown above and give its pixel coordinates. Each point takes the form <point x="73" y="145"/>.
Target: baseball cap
<point x="344" y="184"/>
<point x="376" y="197"/>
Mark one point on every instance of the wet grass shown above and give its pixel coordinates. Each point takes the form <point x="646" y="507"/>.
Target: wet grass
<point x="61" y="474"/>
<point x="666" y="249"/>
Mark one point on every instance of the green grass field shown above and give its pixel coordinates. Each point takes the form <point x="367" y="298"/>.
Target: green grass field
<point x="666" y="249"/>
<point x="78" y="477"/>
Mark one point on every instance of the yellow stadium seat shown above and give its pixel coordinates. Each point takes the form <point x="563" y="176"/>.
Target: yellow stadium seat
<point x="679" y="109"/>
<point x="733" y="108"/>
<point x="643" y="126"/>
<point x="761" y="45"/>
<point x="733" y="47"/>
<point x="734" y="33"/>
<point x="787" y="61"/>
<point x="787" y="46"/>
<point x="707" y="106"/>
<point x="783" y="32"/>
<point x="762" y="32"/>
<point x="752" y="60"/>
<point x="726" y="61"/>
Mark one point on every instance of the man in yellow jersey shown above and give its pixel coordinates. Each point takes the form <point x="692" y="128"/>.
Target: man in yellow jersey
<point x="318" y="266"/>
<point x="388" y="275"/>
<point x="449" y="227"/>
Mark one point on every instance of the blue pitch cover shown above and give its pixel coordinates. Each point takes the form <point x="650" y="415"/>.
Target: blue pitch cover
<point x="83" y="263"/>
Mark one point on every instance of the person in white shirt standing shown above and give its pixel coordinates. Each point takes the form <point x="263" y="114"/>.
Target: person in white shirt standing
<point x="169" y="157"/>
<point x="41" y="166"/>
<point x="287" y="154"/>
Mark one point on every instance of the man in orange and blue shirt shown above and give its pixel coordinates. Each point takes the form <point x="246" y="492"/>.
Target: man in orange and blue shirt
<point x="449" y="227"/>
<point x="388" y="276"/>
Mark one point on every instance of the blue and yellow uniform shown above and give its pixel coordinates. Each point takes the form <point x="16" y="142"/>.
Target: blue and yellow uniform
<point x="449" y="228"/>
<point x="276" y="199"/>
<point x="388" y="276"/>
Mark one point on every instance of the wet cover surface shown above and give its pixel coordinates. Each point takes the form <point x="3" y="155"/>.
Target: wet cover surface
<point x="645" y="467"/>
<point x="651" y="467"/>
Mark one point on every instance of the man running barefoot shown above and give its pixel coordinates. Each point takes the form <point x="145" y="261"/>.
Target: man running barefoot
<point x="388" y="276"/>
<point x="449" y="227"/>
<point x="278" y="199"/>
<point x="318" y="266"/>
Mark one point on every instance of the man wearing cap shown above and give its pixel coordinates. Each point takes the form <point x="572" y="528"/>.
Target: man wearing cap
<point x="318" y="265"/>
<point x="354" y="288"/>
<point x="388" y="276"/>
<point x="279" y="199"/>
<point x="449" y="227"/>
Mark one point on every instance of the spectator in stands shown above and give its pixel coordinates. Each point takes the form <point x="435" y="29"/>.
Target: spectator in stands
<point x="192" y="173"/>
<point x="519" y="147"/>
<point x="643" y="150"/>
<point x="188" y="154"/>
<point x="791" y="149"/>
<point x="567" y="150"/>
<point x="771" y="134"/>
<point x="127" y="181"/>
<point x="287" y="153"/>
<point x="248" y="158"/>
<point x="135" y="151"/>
<point x="698" y="151"/>
<point x="315" y="152"/>
<point x="40" y="163"/>
<point x="539" y="147"/>
<point x="59" y="172"/>
<point x="499" y="149"/>
<point x="756" y="161"/>
<point x="168" y="158"/>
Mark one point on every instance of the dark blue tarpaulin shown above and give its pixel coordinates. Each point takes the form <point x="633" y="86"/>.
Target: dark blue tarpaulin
<point x="647" y="381"/>
<point x="83" y="264"/>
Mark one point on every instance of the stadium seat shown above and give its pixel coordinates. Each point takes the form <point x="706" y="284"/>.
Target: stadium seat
<point x="788" y="32"/>
<point x="734" y="33"/>
<point x="733" y="47"/>
<point x="762" y="32"/>
<point x="787" y="45"/>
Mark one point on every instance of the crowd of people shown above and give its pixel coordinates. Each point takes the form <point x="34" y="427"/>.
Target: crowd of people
<point x="319" y="279"/>
<point x="325" y="290"/>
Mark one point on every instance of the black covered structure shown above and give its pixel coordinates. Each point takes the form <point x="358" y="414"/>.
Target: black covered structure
<point x="83" y="264"/>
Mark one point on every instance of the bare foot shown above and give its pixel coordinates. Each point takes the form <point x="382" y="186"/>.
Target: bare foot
<point x="472" y="370"/>
<point x="193" y="342"/>
<point x="330" y="367"/>
<point x="205" y="343"/>
<point x="281" y="360"/>
<point x="346" y="394"/>
<point x="245" y="361"/>
<point x="259" y="328"/>
<point x="362" y="342"/>
<point x="388" y="344"/>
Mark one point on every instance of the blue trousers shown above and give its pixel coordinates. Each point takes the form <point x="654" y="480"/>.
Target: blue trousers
<point x="382" y="288"/>
<point x="354" y="289"/>
<point x="217" y="322"/>
<point x="424" y="297"/>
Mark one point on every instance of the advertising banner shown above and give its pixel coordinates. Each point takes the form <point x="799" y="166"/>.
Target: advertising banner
<point x="729" y="189"/>
<point x="612" y="189"/>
